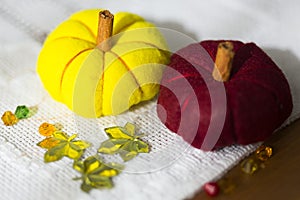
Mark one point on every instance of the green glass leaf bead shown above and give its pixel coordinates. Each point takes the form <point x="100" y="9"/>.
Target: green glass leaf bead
<point x="95" y="173"/>
<point x="123" y="141"/>
<point x="60" y="144"/>
<point x="22" y="112"/>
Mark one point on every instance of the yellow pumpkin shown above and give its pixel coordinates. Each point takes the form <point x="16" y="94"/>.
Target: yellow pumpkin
<point x="96" y="77"/>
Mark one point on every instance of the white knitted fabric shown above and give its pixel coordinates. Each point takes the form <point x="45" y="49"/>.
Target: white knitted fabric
<point x="172" y="169"/>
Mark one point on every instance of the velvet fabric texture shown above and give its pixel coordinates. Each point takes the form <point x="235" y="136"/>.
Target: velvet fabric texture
<point x="257" y="96"/>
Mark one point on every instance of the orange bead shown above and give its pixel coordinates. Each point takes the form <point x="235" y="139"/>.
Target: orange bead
<point x="47" y="129"/>
<point x="263" y="152"/>
<point x="9" y="118"/>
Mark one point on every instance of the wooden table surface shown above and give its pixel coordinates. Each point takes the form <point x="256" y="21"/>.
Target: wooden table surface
<point x="279" y="179"/>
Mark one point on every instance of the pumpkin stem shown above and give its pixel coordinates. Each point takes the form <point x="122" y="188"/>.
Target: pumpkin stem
<point x="105" y="29"/>
<point x="223" y="63"/>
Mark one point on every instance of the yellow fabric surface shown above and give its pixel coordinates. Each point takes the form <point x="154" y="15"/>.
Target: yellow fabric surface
<point x="94" y="83"/>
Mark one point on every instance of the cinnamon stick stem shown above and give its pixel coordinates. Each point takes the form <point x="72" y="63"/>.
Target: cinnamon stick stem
<point x="105" y="29"/>
<point x="223" y="62"/>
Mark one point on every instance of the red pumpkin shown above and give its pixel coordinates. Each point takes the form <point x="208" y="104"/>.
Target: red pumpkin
<point x="257" y="96"/>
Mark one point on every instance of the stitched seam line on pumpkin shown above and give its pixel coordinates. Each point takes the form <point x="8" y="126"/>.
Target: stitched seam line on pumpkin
<point x="88" y="28"/>
<point x="127" y="26"/>
<point x="181" y="76"/>
<point x="75" y="38"/>
<point x="68" y="64"/>
<point x="185" y="103"/>
<point x="128" y="69"/>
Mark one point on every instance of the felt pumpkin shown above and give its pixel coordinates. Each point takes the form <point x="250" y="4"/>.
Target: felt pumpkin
<point x="257" y="94"/>
<point x="101" y="64"/>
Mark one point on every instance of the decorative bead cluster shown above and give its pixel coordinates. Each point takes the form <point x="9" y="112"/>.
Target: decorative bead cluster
<point x="21" y="112"/>
<point x="122" y="140"/>
<point x="248" y="166"/>
<point x="252" y="164"/>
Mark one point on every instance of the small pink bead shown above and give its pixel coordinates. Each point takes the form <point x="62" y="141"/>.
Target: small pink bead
<point x="212" y="189"/>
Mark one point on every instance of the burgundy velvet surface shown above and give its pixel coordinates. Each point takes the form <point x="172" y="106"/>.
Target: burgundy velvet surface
<point x="258" y="98"/>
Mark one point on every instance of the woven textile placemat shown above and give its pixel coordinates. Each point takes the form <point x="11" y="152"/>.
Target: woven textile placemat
<point x="172" y="169"/>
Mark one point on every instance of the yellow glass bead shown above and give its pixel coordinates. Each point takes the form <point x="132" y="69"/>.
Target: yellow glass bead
<point x="263" y="152"/>
<point x="249" y="166"/>
<point x="9" y="118"/>
<point x="47" y="129"/>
